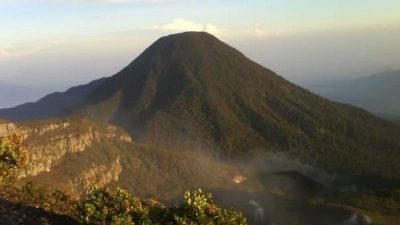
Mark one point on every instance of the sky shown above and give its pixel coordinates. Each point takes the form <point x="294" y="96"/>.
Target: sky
<point x="59" y="43"/>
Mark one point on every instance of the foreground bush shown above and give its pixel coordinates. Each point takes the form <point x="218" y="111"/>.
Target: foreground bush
<point x="12" y="156"/>
<point x="105" y="207"/>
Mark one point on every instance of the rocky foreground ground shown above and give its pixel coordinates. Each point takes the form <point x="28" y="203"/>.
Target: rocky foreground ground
<point x="17" y="214"/>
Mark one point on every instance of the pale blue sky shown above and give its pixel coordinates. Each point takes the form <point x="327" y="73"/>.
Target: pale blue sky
<point x="63" y="42"/>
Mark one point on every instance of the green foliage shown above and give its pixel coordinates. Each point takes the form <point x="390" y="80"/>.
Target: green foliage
<point x="109" y="207"/>
<point x="199" y="208"/>
<point x="118" y="207"/>
<point x="12" y="156"/>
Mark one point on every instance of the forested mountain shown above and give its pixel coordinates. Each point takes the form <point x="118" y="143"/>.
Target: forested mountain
<point x="192" y="91"/>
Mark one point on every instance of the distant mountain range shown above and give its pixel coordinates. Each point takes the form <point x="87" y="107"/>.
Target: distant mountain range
<point x="378" y="94"/>
<point x="12" y="95"/>
<point x="192" y="91"/>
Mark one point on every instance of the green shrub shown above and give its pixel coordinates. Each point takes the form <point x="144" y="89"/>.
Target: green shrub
<point x="105" y="207"/>
<point x="199" y="208"/>
<point x="110" y="207"/>
<point x="12" y="156"/>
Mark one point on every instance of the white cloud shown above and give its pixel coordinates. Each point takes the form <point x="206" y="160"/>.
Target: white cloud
<point x="183" y="25"/>
<point x="260" y="32"/>
<point x="257" y="33"/>
<point x="180" y="24"/>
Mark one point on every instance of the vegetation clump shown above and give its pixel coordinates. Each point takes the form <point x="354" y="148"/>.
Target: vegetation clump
<point x="118" y="207"/>
<point x="12" y="156"/>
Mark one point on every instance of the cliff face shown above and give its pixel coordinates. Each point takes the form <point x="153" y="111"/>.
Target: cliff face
<point x="73" y="155"/>
<point x="96" y="174"/>
<point x="48" y="143"/>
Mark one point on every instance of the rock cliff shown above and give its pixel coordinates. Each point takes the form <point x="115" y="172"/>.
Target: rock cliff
<point x="49" y="141"/>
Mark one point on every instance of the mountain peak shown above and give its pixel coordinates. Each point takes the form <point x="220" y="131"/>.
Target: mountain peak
<point x="193" y="91"/>
<point x="188" y="46"/>
<point x="190" y="35"/>
<point x="184" y="57"/>
<point x="188" y="39"/>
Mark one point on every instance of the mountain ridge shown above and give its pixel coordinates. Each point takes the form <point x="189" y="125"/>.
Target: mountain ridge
<point x="192" y="91"/>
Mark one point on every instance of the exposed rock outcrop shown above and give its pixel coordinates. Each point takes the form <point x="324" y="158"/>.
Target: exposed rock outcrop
<point x="49" y="141"/>
<point x="97" y="175"/>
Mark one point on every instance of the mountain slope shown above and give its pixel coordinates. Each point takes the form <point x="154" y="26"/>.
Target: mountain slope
<point x="192" y="91"/>
<point x="378" y="93"/>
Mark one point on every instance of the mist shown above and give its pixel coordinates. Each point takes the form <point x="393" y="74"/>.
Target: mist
<point x="273" y="188"/>
<point x="298" y="193"/>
